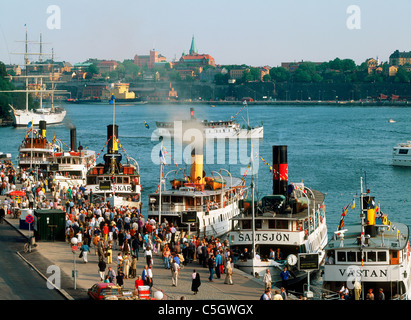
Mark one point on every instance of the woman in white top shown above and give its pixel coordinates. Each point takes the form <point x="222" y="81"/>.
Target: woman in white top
<point x="148" y="254"/>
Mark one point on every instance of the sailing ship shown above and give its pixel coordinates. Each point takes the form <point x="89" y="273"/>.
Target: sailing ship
<point x="290" y="222"/>
<point x="371" y="252"/>
<point x="204" y="205"/>
<point x="113" y="181"/>
<point x="401" y="154"/>
<point x="213" y="129"/>
<point x="51" y="115"/>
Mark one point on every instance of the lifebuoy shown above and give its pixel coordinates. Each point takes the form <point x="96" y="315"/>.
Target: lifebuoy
<point x="321" y="219"/>
<point x="306" y="232"/>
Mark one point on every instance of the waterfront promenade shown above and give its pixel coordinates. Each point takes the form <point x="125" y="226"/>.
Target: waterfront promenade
<point x="60" y="254"/>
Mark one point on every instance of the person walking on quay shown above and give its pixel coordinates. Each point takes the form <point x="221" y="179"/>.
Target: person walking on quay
<point x="211" y="266"/>
<point x="267" y="279"/>
<point x="150" y="276"/>
<point x="120" y="278"/>
<point x="109" y="253"/>
<point x="100" y="248"/>
<point x="85" y="249"/>
<point x="174" y="272"/>
<point x="229" y="273"/>
<point x="277" y="295"/>
<point x="283" y="293"/>
<point x="196" y="282"/>
<point x="133" y="272"/>
<point x="166" y="256"/>
<point x="126" y="262"/>
<point x="218" y="265"/>
<point x="285" y="276"/>
<point x="148" y="254"/>
<point x="135" y="245"/>
<point x="102" y="268"/>
<point x="111" y="275"/>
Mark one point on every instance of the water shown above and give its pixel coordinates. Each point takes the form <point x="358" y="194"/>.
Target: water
<point x="328" y="146"/>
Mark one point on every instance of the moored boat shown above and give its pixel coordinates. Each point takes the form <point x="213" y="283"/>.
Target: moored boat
<point x="401" y="154"/>
<point x="369" y="253"/>
<point x="203" y="205"/>
<point x="284" y="225"/>
<point x="113" y="181"/>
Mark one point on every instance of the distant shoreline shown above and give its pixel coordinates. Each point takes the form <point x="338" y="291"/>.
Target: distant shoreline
<point x="262" y="102"/>
<point x="294" y="103"/>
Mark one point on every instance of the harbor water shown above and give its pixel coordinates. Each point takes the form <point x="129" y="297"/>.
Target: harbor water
<point x="328" y="147"/>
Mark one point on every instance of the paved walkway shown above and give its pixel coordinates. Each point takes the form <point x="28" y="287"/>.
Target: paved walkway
<point x="245" y="286"/>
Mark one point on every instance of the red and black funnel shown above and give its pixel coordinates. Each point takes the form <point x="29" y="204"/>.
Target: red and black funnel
<point x="280" y="170"/>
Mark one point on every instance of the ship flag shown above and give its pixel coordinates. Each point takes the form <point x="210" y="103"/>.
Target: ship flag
<point x="30" y="124"/>
<point x="146" y="124"/>
<point x="162" y="157"/>
<point x="112" y="99"/>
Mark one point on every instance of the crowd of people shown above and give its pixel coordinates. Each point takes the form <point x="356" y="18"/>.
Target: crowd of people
<point x="121" y="236"/>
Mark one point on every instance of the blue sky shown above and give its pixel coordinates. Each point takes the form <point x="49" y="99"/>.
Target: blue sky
<point x="257" y="33"/>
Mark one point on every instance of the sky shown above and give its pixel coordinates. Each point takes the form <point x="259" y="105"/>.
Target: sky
<point x="255" y="33"/>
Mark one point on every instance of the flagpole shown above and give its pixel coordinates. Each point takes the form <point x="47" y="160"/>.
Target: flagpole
<point x="161" y="170"/>
<point x="31" y="151"/>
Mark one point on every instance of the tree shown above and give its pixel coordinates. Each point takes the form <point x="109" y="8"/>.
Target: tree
<point x="93" y="69"/>
<point x="280" y="74"/>
<point x="301" y="75"/>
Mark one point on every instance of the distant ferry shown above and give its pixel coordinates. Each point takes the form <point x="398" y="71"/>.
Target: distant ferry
<point x="212" y="129"/>
<point x="401" y="155"/>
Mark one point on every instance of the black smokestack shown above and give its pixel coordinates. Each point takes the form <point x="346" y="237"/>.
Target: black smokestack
<point x="110" y="138"/>
<point x="280" y="170"/>
<point x="73" y="139"/>
<point x="42" y="127"/>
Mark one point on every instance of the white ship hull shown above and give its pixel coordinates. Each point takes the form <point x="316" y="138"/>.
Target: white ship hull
<point x="23" y="117"/>
<point x="220" y="133"/>
<point x="401" y="155"/>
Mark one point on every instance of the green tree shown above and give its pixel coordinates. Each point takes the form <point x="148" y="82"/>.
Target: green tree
<point x="280" y="74"/>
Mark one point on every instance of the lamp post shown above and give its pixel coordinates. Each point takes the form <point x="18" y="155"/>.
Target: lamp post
<point x="74" y="242"/>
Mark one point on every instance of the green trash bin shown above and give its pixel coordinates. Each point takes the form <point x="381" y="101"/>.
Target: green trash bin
<point x="50" y="225"/>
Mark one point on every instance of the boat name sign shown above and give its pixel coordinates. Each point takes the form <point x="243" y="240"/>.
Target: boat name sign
<point x="336" y="273"/>
<point x="124" y="188"/>
<point x="246" y="237"/>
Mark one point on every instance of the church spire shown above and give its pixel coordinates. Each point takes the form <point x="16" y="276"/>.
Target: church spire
<point x="193" y="49"/>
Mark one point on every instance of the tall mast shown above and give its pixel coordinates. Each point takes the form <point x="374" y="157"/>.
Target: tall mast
<point x="26" y="61"/>
<point x="252" y="203"/>
<point x="52" y="80"/>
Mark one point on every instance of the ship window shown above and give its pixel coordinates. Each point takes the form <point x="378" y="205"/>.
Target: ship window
<point x="382" y="256"/>
<point x="403" y="151"/>
<point x="126" y="179"/>
<point x="371" y="256"/>
<point x="119" y="180"/>
<point x="351" y="256"/>
<point x="282" y="224"/>
<point x="246" y="224"/>
<point x="359" y="258"/>
<point x="258" y="224"/>
<point x="341" y="256"/>
<point x="271" y="224"/>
